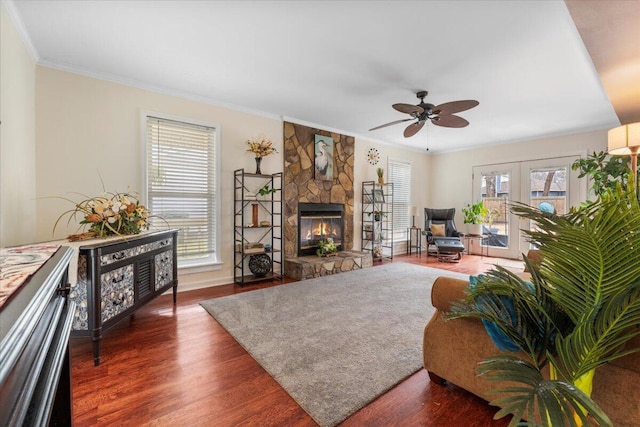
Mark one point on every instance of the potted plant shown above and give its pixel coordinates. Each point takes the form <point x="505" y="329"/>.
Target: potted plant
<point x="380" y="173"/>
<point x="266" y="190"/>
<point x="604" y="171"/>
<point x="378" y="215"/>
<point x="474" y="215"/>
<point x="580" y="308"/>
<point x="326" y="247"/>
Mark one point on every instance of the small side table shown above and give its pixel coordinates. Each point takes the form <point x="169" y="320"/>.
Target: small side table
<point x="414" y="240"/>
<point x="469" y="237"/>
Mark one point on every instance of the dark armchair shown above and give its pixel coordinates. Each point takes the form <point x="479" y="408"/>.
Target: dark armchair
<point x="449" y="243"/>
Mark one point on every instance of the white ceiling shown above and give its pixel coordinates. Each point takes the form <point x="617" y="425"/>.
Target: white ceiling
<point x="341" y="64"/>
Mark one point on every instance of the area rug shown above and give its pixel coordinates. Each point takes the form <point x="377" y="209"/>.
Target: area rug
<point x="337" y="342"/>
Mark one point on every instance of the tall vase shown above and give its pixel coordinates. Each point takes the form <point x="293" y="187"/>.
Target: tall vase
<point x="254" y="214"/>
<point x="258" y="161"/>
<point x="584" y="383"/>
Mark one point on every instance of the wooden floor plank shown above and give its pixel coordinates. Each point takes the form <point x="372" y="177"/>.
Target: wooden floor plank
<point x="176" y="366"/>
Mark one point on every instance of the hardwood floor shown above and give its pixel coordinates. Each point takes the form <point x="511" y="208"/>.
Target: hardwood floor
<point x="175" y="365"/>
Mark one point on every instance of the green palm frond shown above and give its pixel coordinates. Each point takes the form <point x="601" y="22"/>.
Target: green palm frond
<point x="544" y="402"/>
<point x="590" y="254"/>
<point x="581" y="309"/>
<point x="600" y="337"/>
<point x="532" y="327"/>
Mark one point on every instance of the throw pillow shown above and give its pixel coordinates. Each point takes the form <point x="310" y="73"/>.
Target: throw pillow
<point x="438" y="230"/>
<point x="499" y="338"/>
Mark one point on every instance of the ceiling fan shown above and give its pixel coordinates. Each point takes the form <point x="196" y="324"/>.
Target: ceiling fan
<point x="440" y="115"/>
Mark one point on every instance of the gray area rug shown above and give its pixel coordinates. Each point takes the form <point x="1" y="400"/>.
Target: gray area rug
<point x="337" y="342"/>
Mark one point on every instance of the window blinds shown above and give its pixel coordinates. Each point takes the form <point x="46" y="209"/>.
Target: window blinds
<point x="400" y="176"/>
<point x="181" y="184"/>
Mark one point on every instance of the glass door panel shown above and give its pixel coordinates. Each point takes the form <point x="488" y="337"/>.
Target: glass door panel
<point x="551" y="186"/>
<point x="497" y="186"/>
<point x="495" y="198"/>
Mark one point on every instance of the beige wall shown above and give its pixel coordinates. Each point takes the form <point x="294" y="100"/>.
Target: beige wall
<point x="88" y="128"/>
<point x="451" y="183"/>
<point x="363" y="171"/>
<point x="17" y="137"/>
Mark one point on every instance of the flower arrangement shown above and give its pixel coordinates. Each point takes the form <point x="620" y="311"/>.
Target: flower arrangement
<point x="326" y="247"/>
<point x="109" y="214"/>
<point x="260" y="146"/>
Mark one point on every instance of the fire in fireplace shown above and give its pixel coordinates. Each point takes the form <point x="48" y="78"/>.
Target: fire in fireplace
<point x="319" y="221"/>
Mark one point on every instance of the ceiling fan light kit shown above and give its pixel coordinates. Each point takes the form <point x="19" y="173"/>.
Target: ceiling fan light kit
<point x="439" y="115"/>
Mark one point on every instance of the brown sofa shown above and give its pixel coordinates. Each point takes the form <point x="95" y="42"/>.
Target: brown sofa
<point x="453" y="348"/>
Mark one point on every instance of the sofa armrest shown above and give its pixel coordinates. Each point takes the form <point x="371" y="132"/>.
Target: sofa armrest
<point x="447" y="289"/>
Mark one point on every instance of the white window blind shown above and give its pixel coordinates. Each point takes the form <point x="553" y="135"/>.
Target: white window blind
<point x="181" y="185"/>
<point x="400" y="176"/>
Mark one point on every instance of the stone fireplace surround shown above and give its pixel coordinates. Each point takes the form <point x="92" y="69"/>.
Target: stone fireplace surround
<point x="301" y="187"/>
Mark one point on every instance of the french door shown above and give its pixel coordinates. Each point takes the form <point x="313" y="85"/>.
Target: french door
<point x="547" y="184"/>
<point x="497" y="186"/>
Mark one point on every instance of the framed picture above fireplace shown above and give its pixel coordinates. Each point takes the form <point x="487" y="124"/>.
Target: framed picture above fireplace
<point x="323" y="149"/>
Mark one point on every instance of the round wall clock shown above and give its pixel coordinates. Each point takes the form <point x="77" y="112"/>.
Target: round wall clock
<point x="373" y="156"/>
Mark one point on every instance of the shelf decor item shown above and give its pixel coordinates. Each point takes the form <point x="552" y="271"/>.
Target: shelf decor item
<point x="380" y="173"/>
<point x="254" y="214"/>
<point x="260" y="146"/>
<point x="260" y="264"/>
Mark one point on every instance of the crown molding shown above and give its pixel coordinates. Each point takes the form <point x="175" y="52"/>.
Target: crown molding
<point x="14" y="15"/>
<point x="154" y="88"/>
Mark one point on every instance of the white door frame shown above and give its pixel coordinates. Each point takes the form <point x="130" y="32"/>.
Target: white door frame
<point x="520" y="190"/>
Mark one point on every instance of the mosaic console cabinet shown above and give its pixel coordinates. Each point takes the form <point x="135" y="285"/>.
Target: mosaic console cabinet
<point x="116" y="277"/>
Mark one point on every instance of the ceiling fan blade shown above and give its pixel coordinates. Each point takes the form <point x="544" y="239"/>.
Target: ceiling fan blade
<point x="389" y="124"/>
<point x="413" y="128"/>
<point x="454" y="107"/>
<point x="408" y="108"/>
<point x="450" y="121"/>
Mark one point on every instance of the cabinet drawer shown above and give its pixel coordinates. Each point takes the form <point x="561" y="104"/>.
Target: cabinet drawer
<point x="116" y="291"/>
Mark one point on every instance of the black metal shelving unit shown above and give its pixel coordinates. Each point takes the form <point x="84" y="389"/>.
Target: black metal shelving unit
<point x="245" y="232"/>
<point x="377" y="219"/>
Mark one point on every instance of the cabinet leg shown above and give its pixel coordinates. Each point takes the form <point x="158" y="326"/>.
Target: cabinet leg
<point x="96" y="351"/>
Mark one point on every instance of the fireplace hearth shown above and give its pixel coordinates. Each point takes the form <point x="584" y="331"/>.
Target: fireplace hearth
<point x="318" y="221"/>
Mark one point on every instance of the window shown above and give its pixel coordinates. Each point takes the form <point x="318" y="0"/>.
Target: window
<point x="182" y="184"/>
<point x="400" y="176"/>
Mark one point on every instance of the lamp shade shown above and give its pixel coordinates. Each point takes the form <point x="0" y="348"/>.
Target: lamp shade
<point x="624" y="140"/>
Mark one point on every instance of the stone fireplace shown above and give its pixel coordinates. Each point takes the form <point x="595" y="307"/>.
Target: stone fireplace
<point x="300" y="186"/>
<point x="302" y="189"/>
<point x="318" y="221"/>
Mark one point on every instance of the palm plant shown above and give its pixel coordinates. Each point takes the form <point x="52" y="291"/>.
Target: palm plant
<point x="579" y="310"/>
